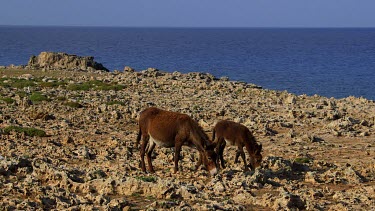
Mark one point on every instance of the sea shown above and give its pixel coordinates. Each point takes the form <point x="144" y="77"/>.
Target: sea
<point x="330" y="62"/>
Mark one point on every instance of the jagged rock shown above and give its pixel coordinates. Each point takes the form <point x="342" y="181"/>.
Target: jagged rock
<point x="342" y="175"/>
<point x="128" y="69"/>
<point x="291" y="100"/>
<point x="26" y="77"/>
<point x="311" y="177"/>
<point x="85" y="152"/>
<point x="52" y="60"/>
<point x="311" y="138"/>
<point x="333" y="115"/>
<point x="288" y="201"/>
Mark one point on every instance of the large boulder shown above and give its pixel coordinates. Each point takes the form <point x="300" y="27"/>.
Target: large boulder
<point x="52" y="60"/>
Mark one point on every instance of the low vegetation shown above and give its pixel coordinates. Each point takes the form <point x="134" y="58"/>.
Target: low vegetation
<point x="27" y="131"/>
<point x="17" y="83"/>
<point x="147" y="178"/>
<point x="38" y="97"/>
<point x="302" y="160"/>
<point x="52" y="83"/>
<point x="61" y="98"/>
<point x="21" y="94"/>
<point x="73" y="104"/>
<point x="115" y="103"/>
<point x="95" y="85"/>
<point x="8" y="100"/>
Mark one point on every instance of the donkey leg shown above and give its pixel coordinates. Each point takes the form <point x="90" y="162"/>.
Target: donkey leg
<point x="178" y="145"/>
<point x="240" y="149"/>
<point x="143" y="149"/>
<point x="150" y="148"/>
<point x="251" y="163"/>
<point x="221" y="151"/>
<point x="238" y="153"/>
<point x="200" y="160"/>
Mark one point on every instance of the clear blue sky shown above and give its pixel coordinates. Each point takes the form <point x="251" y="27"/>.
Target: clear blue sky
<point x="190" y="13"/>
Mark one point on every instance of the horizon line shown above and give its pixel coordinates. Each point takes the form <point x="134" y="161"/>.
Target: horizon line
<point x="196" y="27"/>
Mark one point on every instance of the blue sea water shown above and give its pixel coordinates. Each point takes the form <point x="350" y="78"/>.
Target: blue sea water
<point x="336" y="62"/>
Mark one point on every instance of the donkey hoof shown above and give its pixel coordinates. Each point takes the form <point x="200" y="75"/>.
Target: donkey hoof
<point x="152" y="171"/>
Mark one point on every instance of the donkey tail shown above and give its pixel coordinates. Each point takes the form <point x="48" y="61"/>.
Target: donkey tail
<point x="213" y="135"/>
<point x="138" y="137"/>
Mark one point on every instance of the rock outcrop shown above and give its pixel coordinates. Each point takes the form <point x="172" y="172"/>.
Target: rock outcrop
<point x="52" y="60"/>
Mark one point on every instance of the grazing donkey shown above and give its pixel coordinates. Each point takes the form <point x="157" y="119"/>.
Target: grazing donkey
<point x="232" y="133"/>
<point x="172" y="129"/>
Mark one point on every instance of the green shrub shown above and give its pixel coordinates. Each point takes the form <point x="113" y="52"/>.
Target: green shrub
<point x="79" y="87"/>
<point x="95" y="85"/>
<point x="2" y="82"/>
<point x="73" y="104"/>
<point x="147" y="178"/>
<point x="22" y="94"/>
<point x="135" y="194"/>
<point x="21" y="83"/>
<point x="52" y="84"/>
<point x="38" y="97"/>
<point x="151" y="198"/>
<point x="8" y="100"/>
<point x="61" y="98"/>
<point x="107" y="87"/>
<point x="27" y="131"/>
<point x="302" y="160"/>
<point x="115" y="103"/>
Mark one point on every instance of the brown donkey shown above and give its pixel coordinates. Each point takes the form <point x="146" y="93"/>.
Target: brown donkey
<point x="232" y="133"/>
<point x="172" y="129"/>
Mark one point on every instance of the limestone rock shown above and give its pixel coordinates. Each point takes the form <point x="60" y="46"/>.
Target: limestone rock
<point x="52" y="60"/>
<point x="128" y="69"/>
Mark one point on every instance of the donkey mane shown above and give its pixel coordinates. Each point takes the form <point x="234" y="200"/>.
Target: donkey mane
<point x="200" y="132"/>
<point x="253" y="142"/>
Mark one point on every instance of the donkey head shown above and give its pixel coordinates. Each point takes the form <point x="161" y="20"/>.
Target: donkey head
<point x="210" y="159"/>
<point x="256" y="159"/>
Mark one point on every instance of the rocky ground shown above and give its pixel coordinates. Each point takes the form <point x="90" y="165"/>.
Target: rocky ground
<point x="319" y="153"/>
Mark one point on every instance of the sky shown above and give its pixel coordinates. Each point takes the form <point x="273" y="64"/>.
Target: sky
<point x="189" y="13"/>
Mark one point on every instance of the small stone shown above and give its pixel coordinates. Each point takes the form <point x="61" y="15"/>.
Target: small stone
<point x="128" y="69"/>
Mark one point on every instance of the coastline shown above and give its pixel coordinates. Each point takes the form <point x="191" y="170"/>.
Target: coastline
<point x="318" y="151"/>
<point x="303" y="62"/>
